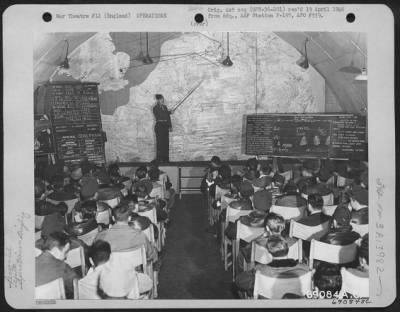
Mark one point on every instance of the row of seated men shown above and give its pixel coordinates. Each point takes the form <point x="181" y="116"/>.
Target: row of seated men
<point x="263" y="193"/>
<point x="105" y="217"/>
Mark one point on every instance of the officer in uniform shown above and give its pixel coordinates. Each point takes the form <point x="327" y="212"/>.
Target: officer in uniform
<point x="162" y="128"/>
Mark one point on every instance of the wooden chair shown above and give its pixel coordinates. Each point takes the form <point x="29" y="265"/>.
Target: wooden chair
<point x="307" y="233"/>
<point x="75" y="284"/>
<point x="246" y="233"/>
<point x="353" y="284"/>
<point x="89" y="237"/>
<point x="112" y="202"/>
<point x="261" y="254"/>
<point x="332" y="253"/>
<point x="328" y="199"/>
<point x="275" y="288"/>
<point x="219" y="192"/>
<point x="157" y="191"/>
<point x="289" y="213"/>
<point x="76" y="258"/>
<point x="103" y="217"/>
<point x="152" y="215"/>
<point x="39" y="222"/>
<point x="361" y="229"/>
<point x="132" y="258"/>
<point x="52" y="290"/>
<point x="38" y="235"/>
<point x="329" y="210"/>
<point x="38" y="252"/>
<point x="231" y="216"/>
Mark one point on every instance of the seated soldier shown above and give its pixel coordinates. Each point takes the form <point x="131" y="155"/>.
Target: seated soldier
<point x="314" y="208"/>
<point x="291" y="197"/>
<point x="60" y="193"/>
<point x="280" y="267"/>
<point x="50" y="264"/>
<point x="141" y="178"/>
<point x="99" y="254"/>
<point x="106" y="190"/>
<point x="244" y="203"/>
<point x="359" y="205"/>
<point x="318" y="185"/>
<point x="115" y="282"/>
<point x="262" y="198"/>
<point x="340" y="232"/>
<point x="278" y="181"/>
<point x="144" y="199"/>
<point x="224" y="177"/>
<point x="251" y="171"/>
<point x="86" y="229"/>
<point x="327" y="278"/>
<point x="115" y="175"/>
<point x="274" y="225"/>
<point x="88" y="191"/>
<point x="363" y="257"/>
<point x="211" y="173"/>
<point x="121" y="236"/>
<point x="169" y="193"/>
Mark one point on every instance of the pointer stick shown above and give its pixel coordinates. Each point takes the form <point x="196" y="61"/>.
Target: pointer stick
<point x="186" y="96"/>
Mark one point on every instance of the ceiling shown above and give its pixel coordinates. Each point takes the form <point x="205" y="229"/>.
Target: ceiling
<point x="327" y="52"/>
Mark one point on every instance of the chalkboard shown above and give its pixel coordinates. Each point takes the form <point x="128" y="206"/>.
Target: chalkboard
<point x="76" y="119"/>
<point x="341" y="136"/>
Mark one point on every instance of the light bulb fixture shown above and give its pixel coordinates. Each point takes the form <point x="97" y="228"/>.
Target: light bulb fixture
<point x="303" y="61"/>
<point x="147" y="58"/>
<point x="65" y="63"/>
<point x="140" y="57"/>
<point x="227" y="62"/>
<point x="351" y="69"/>
<point x="363" y="76"/>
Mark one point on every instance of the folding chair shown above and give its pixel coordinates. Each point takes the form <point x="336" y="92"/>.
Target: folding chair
<point x="39" y="222"/>
<point x="38" y="235"/>
<point x="261" y="254"/>
<point x="287" y="175"/>
<point x="355" y="285"/>
<point x="329" y="210"/>
<point x="103" y="217"/>
<point x="52" y="290"/>
<point x="289" y="213"/>
<point x="328" y="199"/>
<point x="76" y="258"/>
<point x="152" y="215"/>
<point x="361" y="229"/>
<point x="112" y="202"/>
<point x="276" y="287"/>
<point x="157" y="191"/>
<point x="132" y="258"/>
<point x="246" y="233"/>
<point x="305" y="232"/>
<point x="332" y="253"/>
<point x="219" y="193"/>
<point x="231" y="216"/>
<point x="89" y="237"/>
<point x="38" y="252"/>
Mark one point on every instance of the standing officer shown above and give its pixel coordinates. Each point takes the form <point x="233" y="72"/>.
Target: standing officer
<point x="162" y="128"/>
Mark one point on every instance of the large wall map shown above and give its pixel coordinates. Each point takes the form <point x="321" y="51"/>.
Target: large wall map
<point x="210" y="121"/>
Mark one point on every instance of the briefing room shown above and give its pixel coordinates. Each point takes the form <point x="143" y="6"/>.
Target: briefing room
<point x="201" y="165"/>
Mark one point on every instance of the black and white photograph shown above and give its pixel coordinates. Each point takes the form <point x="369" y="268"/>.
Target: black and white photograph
<point x="229" y="165"/>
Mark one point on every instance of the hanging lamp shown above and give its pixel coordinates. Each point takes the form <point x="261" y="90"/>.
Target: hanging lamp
<point x="148" y="59"/>
<point x="363" y="76"/>
<point x="141" y="57"/>
<point x="65" y="63"/>
<point x="227" y="61"/>
<point x="303" y="61"/>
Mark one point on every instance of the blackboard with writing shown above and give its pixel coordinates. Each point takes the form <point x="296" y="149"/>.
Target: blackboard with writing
<point x="76" y="119"/>
<point x="341" y="136"/>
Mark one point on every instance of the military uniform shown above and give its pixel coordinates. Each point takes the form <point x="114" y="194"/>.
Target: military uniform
<point x="162" y="128"/>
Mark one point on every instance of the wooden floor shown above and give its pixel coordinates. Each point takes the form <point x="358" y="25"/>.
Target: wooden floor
<point x="191" y="264"/>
